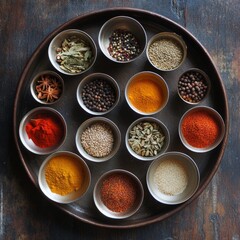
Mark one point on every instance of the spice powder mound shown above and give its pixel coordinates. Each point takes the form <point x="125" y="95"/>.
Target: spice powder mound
<point x="64" y="175"/>
<point x="171" y="177"/>
<point x="200" y="129"/>
<point x="145" y="95"/>
<point x="44" y="131"/>
<point x="118" y="192"/>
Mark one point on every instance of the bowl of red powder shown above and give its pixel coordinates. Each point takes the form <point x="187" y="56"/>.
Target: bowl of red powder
<point x="43" y="130"/>
<point x="201" y="129"/>
<point x="118" y="194"/>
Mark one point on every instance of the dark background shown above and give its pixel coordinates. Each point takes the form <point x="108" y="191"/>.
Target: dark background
<point x="25" y="214"/>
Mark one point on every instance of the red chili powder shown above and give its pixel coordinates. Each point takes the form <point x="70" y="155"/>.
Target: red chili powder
<point x="44" y="131"/>
<point x="118" y="192"/>
<point x="200" y="129"/>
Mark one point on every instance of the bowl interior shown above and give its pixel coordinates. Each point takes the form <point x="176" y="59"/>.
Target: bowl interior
<point x="102" y="207"/>
<point x="171" y="37"/>
<point x="171" y="170"/>
<point x="57" y="42"/>
<point x="122" y="23"/>
<point x="205" y="80"/>
<point x="34" y="114"/>
<point x="90" y="78"/>
<point x="162" y="128"/>
<point x="46" y="81"/>
<point x="219" y="121"/>
<point x="155" y="78"/>
<point x="71" y="197"/>
<point x="116" y="136"/>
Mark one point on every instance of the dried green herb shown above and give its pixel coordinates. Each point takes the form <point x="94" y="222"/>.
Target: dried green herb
<point x="75" y="55"/>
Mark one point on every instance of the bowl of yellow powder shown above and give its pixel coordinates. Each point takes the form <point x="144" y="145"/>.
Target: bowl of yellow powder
<point x="64" y="177"/>
<point x="173" y="178"/>
<point x="146" y="93"/>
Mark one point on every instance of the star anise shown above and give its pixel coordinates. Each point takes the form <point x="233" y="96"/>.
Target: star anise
<point x="48" y="88"/>
<point x="51" y="94"/>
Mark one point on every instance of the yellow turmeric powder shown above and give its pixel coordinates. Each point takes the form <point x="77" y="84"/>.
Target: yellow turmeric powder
<point x="64" y="174"/>
<point x="145" y="95"/>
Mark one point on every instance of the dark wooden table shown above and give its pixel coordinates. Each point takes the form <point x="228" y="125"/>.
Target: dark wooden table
<point x="25" y="214"/>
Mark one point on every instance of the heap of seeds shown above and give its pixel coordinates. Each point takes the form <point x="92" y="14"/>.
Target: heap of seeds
<point x="192" y="86"/>
<point x="98" y="95"/>
<point x="97" y="139"/>
<point x="146" y="139"/>
<point x="123" y="45"/>
<point x="165" y="54"/>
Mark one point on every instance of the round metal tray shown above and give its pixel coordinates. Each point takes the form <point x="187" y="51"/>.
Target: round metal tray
<point x="151" y="210"/>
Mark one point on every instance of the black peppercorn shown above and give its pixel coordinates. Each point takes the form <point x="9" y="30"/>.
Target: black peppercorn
<point x="192" y="86"/>
<point x="98" y="95"/>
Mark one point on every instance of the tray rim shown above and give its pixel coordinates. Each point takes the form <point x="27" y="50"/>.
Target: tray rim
<point x="118" y="10"/>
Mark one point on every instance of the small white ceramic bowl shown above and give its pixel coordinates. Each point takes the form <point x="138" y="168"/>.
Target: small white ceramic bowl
<point x="162" y="128"/>
<point x="71" y="197"/>
<point x="33" y="114"/>
<point x="121" y="23"/>
<point x="154" y="77"/>
<point x="57" y="42"/>
<point x="116" y="135"/>
<point x="90" y="78"/>
<point x="157" y="60"/>
<point x="205" y="79"/>
<point x="215" y="115"/>
<point x="41" y="79"/>
<point x="103" y="208"/>
<point x="177" y="169"/>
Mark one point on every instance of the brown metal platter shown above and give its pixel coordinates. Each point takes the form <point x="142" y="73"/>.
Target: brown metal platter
<point x="151" y="210"/>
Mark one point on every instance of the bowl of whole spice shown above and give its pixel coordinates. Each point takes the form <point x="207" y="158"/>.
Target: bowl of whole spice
<point x="201" y="129"/>
<point x="98" y="93"/>
<point x="147" y="138"/>
<point x="146" y="93"/>
<point x="64" y="177"/>
<point x="43" y="130"/>
<point x="72" y="52"/>
<point x="118" y="194"/>
<point x="173" y="178"/>
<point x="122" y="39"/>
<point x="193" y="86"/>
<point x="166" y="51"/>
<point x="47" y="87"/>
<point x="98" y="139"/>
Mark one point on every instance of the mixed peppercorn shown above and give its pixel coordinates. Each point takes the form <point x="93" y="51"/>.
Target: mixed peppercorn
<point x="123" y="45"/>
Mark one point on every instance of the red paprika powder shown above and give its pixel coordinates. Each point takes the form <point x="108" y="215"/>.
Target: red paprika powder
<point x="44" y="131"/>
<point x="118" y="192"/>
<point x="200" y="129"/>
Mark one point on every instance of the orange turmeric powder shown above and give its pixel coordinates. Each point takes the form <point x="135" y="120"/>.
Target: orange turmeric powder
<point x="64" y="174"/>
<point x="145" y="95"/>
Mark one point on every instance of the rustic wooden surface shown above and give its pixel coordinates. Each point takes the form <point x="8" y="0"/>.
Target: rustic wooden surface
<point x="24" y="214"/>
